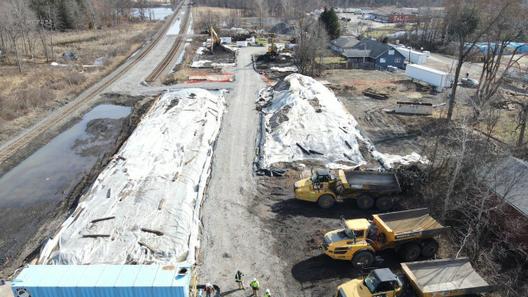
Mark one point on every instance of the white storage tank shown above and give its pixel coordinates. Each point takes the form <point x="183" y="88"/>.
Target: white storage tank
<point x="102" y="280"/>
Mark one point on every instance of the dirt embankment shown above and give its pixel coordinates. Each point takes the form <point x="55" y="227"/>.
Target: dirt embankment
<point x="43" y="219"/>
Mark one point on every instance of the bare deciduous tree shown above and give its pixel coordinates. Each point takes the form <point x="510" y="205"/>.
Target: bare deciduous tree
<point x="312" y="41"/>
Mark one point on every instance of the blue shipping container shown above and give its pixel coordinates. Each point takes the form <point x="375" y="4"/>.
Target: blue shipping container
<point x="102" y="281"/>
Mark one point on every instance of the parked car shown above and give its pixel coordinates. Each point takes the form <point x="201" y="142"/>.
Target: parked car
<point x="469" y="82"/>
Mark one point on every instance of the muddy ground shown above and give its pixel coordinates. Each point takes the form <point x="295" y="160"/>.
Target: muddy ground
<point x="298" y="228"/>
<point x="41" y="219"/>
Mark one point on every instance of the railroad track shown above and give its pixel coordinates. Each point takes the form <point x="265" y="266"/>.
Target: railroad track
<point x="25" y="138"/>
<point x="162" y="66"/>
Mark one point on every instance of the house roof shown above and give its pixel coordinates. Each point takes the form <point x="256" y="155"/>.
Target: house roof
<point x="508" y="178"/>
<point x="345" y="41"/>
<point x="356" y="53"/>
<point x="375" y="47"/>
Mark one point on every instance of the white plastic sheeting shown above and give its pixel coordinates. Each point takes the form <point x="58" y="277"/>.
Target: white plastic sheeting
<point x="303" y="121"/>
<point x="388" y="160"/>
<point x="150" y="193"/>
<point x="307" y="114"/>
<point x="285" y="69"/>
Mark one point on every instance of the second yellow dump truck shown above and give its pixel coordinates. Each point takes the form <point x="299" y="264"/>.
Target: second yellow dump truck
<point x="411" y="233"/>
<point x="368" y="188"/>
<point x="435" y="278"/>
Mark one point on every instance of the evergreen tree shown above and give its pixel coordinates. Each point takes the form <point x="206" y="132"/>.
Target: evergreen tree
<point x="331" y="23"/>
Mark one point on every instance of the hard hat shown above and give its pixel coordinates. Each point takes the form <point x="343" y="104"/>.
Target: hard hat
<point x="208" y="284"/>
<point x="254" y="279"/>
<point x="268" y="291"/>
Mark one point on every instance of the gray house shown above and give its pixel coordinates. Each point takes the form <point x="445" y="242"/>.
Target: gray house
<point x="343" y="43"/>
<point x="372" y="54"/>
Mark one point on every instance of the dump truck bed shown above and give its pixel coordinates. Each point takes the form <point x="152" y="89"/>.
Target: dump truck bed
<point x="409" y="223"/>
<point x="447" y="277"/>
<point x="372" y="181"/>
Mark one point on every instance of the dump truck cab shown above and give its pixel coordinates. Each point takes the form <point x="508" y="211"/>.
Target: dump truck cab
<point x="320" y="187"/>
<point x="345" y="243"/>
<point x="380" y="282"/>
<point x="369" y="188"/>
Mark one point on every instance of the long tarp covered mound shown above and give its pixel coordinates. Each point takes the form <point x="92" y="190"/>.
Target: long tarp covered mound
<point x="305" y="121"/>
<point x="144" y="206"/>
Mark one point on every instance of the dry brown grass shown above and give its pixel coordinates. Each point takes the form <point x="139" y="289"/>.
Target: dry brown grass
<point x="27" y="96"/>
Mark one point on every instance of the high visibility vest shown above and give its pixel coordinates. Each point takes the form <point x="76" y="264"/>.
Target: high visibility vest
<point x="267" y="294"/>
<point x="254" y="284"/>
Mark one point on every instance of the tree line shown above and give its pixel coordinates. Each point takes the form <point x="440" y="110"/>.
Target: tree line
<point x="26" y="26"/>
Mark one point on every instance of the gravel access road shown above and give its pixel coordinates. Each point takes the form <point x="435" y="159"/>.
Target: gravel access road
<point x="233" y="236"/>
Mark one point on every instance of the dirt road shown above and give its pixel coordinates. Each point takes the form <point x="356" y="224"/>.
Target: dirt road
<point x="233" y="236"/>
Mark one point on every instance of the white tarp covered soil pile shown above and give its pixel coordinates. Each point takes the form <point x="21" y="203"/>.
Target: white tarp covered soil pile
<point x="305" y="121"/>
<point x="144" y="206"/>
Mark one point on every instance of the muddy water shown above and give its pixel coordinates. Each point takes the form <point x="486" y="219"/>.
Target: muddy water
<point x="31" y="192"/>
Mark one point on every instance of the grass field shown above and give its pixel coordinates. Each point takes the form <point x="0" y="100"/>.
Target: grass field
<point x="40" y="87"/>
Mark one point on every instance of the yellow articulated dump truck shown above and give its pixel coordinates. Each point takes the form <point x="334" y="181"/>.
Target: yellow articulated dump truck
<point x="435" y="278"/>
<point x="410" y="232"/>
<point x="368" y="188"/>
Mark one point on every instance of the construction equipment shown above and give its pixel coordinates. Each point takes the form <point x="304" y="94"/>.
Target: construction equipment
<point x="410" y="232"/>
<point x="448" y="277"/>
<point x="215" y="39"/>
<point x="272" y="47"/>
<point x="369" y="188"/>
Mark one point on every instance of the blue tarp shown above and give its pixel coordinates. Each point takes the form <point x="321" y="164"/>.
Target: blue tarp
<point x="521" y="48"/>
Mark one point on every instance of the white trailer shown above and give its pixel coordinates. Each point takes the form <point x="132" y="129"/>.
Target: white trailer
<point x="413" y="56"/>
<point x="226" y="40"/>
<point x="242" y="43"/>
<point x="436" y="78"/>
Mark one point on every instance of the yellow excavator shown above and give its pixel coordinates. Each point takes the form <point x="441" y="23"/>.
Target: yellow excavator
<point x="272" y="48"/>
<point x="215" y="39"/>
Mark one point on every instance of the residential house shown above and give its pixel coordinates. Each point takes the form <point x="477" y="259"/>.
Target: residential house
<point x="372" y="54"/>
<point x="343" y="43"/>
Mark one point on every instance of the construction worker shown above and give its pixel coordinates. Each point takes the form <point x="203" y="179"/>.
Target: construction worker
<point x="238" y="280"/>
<point x="209" y="290"/>
<point x="255" y="286"/>
<point x="268" y="293"/>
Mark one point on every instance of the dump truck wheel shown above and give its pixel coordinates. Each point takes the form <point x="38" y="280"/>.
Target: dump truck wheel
<point x="365" y="202"/>
<point x="362" y="259"/>
<point x="410" y="252"/>
<point x="384" y="203"/>
<point x="429" y="248"/>
<point x="326" y="201"/>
